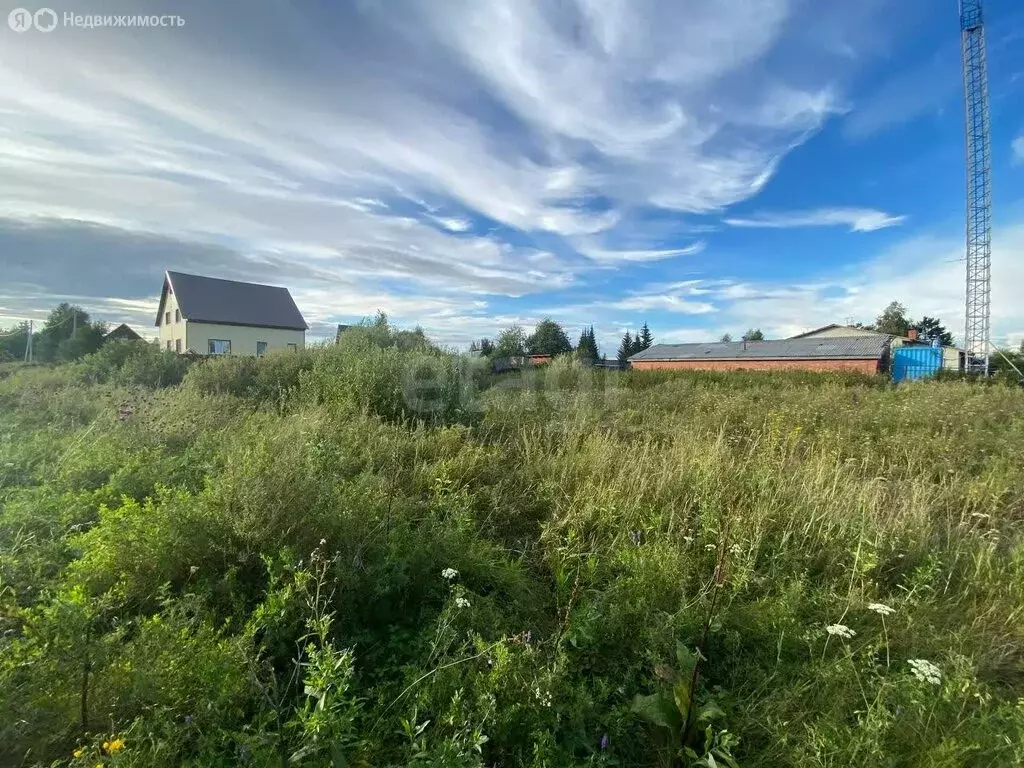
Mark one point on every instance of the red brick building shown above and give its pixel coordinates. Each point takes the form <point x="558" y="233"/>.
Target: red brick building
<point x="863" y="354"/>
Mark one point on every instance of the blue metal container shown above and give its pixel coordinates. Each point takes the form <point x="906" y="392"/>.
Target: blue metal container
<point x="915" y="362"/>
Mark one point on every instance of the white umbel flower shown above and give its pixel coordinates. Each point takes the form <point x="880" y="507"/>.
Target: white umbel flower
<point x="881" y="609"/>
<point x="840" y="630"/>
<point x="925" y="671"/>
<point x="449" y="574"/>
<point x="461" y="602"/>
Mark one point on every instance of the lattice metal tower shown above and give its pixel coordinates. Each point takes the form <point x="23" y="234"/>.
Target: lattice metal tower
<point x="979" y="187"/>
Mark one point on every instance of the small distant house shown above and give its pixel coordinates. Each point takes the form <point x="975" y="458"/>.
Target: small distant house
<point x="123" y="332"/>
<point x="865" y="354"/>
<point x="210" y="316"/>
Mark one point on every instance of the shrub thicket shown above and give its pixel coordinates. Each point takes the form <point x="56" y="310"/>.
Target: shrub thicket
<point x="132" y="363"/>
<point x="356" y="556"/>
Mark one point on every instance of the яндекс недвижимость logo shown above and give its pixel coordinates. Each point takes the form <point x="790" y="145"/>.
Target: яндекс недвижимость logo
<point x="22" y="19"/>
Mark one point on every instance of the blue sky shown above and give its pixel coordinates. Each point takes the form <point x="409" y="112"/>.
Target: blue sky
<point x="466" y="164"/>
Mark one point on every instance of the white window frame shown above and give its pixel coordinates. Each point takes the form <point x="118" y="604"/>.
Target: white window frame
<point x="293" y="346"/>
<point x="177" y="346"/>
<point x="210" y="346"/>
<point x="261" y="353"/>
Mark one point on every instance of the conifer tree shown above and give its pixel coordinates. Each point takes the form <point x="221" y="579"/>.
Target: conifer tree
<point x="626" y="348"/>
<point x="586" y="349"/>
<point x="645" y="337"/>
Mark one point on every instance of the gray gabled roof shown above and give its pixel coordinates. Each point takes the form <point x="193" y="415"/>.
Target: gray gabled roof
<point x="229" y="302"/>
<point x="839" y="348"/>
<point x="123" y="331"/>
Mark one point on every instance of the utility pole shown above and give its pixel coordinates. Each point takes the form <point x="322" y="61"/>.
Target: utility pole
<point x="28" y="342"/>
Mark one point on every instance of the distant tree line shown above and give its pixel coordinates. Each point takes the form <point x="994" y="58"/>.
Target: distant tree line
<point x="894" y="320"/>
<point x="67" y="334"/>
<point x="632" y="344"/>
<point x="550" y="338"/>
<point x="753" y="334"/>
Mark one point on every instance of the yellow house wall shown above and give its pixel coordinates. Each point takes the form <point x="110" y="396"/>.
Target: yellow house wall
<point x="170" y="332"/>
<point x="243" y="338"/>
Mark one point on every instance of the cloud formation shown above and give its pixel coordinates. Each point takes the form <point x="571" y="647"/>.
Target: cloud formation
<point x="458" y="164"/>
<point x="857" y="219"/>
<point x="399" y="139"/>
<point x="925" y="273"/>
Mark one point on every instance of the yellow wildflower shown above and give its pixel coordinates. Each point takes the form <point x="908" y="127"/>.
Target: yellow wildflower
<point x="78" y="752"/>
<point x="115" y="746"/>
<point x="106" y="745"/>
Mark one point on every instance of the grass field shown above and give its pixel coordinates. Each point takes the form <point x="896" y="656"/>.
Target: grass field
<point x="368" y="556"/>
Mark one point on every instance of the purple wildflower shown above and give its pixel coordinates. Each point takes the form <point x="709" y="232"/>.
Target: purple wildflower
<point x="604" y="741"/>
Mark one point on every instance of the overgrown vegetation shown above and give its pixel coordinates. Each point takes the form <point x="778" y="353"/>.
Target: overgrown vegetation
<point x="68" y="334"/>
<point x="374" y="554"/>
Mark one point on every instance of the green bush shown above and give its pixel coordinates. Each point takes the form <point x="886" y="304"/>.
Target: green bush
<point x="392" y="383"/>
<point x="132" y="363"/>
<point x="223" y="376"/>
<point x="265" y="378"/>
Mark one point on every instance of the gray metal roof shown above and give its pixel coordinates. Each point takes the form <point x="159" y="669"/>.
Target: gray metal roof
<point x="839" y="348"/>
<point x="212" y="300"/>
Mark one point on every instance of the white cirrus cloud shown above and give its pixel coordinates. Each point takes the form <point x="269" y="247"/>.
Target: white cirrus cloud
<point x="545" y="133"/>
<point x="857" y="219"/>
<point x="454" y="223"/>
<point x="924" y="272"/>
<point x="1018" y="149"/>
<point x="664" y="303"/>
<point x="654" y="254"/>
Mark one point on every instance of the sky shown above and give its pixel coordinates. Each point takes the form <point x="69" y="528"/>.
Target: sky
<point x="704" y="166"/>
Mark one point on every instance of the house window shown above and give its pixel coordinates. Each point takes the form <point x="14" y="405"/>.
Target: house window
<point x="293" y="347"/>
<point x="167" y="317"/>
<point x="261" y="348"/>
<point x="177" y="315"/>
<point x="219" y="346"/>
<point x="168" y="345"/>
<point x="177" y="346"/>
